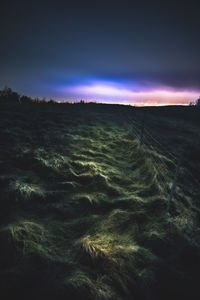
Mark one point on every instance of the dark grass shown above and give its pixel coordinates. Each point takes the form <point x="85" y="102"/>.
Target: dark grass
<point x="83" y="208"/>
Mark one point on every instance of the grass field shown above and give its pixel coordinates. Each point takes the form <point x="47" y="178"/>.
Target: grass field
<point x="83" y="203"/>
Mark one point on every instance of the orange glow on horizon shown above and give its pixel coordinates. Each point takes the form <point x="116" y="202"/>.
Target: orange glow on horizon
<point x="114" y="93"/>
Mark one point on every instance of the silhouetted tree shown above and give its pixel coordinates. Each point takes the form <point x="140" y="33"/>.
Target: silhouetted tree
<point x="197" y="103"/>
<point x="8" y="94"/>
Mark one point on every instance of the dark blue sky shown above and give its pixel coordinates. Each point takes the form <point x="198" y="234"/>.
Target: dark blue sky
<point x="55" y="48"/>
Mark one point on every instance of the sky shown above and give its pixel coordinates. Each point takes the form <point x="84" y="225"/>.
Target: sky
<point x="131" y="52"/>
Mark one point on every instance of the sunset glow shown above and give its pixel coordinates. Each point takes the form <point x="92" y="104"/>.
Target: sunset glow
<point x="102" y="91"/>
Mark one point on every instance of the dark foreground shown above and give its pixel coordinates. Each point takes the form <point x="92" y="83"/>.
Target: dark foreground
<point x="83" y="202"/>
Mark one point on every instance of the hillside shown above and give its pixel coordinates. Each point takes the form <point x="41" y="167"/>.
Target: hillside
<point x="84" y="202"/>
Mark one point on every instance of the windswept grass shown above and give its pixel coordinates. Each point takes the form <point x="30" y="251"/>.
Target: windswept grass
<point x="28" y="237"/>
<point x="83" y="206"/>
<point x="24" y="191"/>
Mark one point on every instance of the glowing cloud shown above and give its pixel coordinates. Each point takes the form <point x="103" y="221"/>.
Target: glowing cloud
<point x="104" y="90"/>
<point x="116" y="92"/>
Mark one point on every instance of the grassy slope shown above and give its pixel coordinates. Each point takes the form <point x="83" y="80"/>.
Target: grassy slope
<point x="83" y="209"/>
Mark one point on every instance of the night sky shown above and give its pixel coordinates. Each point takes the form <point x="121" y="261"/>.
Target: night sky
<point x="133" y="52"/>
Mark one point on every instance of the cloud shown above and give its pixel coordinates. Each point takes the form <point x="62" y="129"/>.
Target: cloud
<point x="143" y="92"/>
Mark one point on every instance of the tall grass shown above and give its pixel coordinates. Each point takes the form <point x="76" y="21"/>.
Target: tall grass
<point x="83" y="208"/>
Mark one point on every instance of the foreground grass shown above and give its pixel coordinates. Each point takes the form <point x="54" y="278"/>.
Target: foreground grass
<point x="83" y="206"/>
